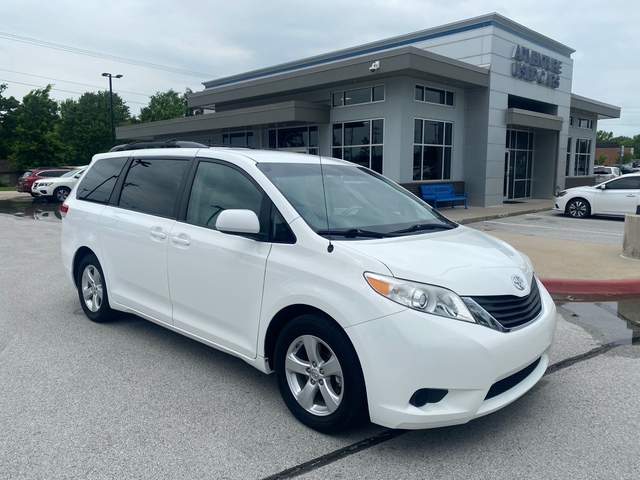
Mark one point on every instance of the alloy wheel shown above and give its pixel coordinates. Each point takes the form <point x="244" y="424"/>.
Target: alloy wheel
<point x="314" y="375"/>
<point x="92" y="289"/>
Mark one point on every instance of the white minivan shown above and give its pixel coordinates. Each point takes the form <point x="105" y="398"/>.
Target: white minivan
<point x="365" y="302"/>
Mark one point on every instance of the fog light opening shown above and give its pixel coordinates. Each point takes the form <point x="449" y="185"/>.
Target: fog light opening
<point x="427" y="395"/>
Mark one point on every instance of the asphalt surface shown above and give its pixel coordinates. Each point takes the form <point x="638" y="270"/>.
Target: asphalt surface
<point x="130" y="399"/>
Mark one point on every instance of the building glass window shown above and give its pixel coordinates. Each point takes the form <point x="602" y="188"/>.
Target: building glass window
<point x="567" y="167"/>
<point x="357" y="96"/>
<point x="432" y="144"/>
<point x="585" y="123"/>
<point x="433" y="95"/>
<point x="298" y="138"/>
<point x="360" y="142"/>
<point x="241" y="138"/>
<point x="583" y="157"/>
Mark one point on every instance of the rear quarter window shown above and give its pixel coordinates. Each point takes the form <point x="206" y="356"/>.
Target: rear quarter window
<point x="97" y="184"/>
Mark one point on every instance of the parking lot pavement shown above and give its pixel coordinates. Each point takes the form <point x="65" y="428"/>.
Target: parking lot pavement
<point x="129" y="399"/>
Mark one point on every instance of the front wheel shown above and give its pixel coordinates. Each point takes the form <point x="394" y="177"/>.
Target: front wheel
<point x="92" y="290"/>
<point x="61" y="194"/>
<point x="579" y="208"/>
<point x="319" y="375"/>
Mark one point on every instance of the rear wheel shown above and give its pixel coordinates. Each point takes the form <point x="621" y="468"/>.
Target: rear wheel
<point x="61" y="194"/>
<point x="92" y="290"/>
<point x="579" y="208"/>
<point x="319" y="375"/>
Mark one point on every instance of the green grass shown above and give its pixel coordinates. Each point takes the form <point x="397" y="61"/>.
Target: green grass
<point x="7" y="189"/>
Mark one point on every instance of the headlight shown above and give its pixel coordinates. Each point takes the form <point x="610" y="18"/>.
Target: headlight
<point x="43" y="184"/>
<point x="422" y="297"/>
<point x="561" y="194"/>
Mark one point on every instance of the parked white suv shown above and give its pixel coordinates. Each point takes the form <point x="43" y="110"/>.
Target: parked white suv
<point x="605" y="173"/>
<point x="366" y="302"/>
<point x="57" y="188"/>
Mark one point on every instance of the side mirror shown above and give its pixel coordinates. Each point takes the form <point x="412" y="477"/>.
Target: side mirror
<point x="238" y="221"/>
<point x="601" y="187"/>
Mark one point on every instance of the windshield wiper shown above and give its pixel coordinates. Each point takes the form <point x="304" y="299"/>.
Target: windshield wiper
<point x="424" y="226"/>
<point x="353" y="233"/>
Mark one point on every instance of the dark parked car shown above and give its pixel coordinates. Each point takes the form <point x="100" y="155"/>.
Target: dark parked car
<point x="625" y="169"/>
<point x="26" y="180"/>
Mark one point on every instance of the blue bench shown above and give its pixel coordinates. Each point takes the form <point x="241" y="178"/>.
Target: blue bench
<point x="443" y="192"/>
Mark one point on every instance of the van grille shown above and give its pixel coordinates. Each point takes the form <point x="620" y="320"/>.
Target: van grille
<point x="511" y="311"/>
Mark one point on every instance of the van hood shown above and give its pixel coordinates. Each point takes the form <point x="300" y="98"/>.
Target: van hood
<point x="464" y="260"/>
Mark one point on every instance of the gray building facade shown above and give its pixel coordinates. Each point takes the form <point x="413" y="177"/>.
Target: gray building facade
<point x="484" y="101"/>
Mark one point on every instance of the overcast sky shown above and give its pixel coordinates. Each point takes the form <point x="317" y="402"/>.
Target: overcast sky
<point x="70" y="43"/>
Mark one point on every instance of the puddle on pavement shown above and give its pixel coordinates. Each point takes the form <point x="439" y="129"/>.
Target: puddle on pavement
<point x="37" y="210"/>
<point x="613" y="322"/>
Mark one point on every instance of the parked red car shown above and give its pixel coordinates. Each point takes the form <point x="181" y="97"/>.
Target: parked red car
<point x="30" y="176"/>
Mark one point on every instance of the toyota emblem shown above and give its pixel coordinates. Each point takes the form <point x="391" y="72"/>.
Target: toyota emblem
<point x="518" y="282"/>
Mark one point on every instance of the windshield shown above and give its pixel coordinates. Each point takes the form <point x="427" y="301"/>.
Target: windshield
<point x="359" y="203"/>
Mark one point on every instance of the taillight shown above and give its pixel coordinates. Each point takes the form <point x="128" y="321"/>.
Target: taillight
<point x="64" y="209"/>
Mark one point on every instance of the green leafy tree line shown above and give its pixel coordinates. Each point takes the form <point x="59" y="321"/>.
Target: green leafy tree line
<point x="42" y="132"/>
<point x="622" y="141"/>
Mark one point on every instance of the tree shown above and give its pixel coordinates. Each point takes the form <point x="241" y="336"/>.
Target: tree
<point x="166" y="106"/>
<point x="85" y="125"/>
<point x="34" y="142"/>
<point x="7" y="123"/>
<point x="602" y="136"/>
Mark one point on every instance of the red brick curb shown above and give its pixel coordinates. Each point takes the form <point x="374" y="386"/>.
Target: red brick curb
<point x="591" y="290"/>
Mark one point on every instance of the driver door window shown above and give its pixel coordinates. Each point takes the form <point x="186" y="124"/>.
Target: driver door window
<point x="218" y="187"/>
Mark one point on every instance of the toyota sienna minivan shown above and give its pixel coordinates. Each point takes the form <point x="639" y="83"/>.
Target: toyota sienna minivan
<point x="367" y="304"/>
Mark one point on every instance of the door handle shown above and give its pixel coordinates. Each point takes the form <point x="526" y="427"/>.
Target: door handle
<point x="181" y="239"/>
<point x="158" y="233"/>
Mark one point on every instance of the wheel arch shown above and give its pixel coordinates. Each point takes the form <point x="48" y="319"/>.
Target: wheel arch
<point x="80" y="254"/>
<point x="585" y="200"/>
<point x="61" y="187"/>
<point x="281" y="319"/>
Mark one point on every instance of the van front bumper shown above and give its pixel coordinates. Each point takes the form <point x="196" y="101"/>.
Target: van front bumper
<point x="412" y="355"/>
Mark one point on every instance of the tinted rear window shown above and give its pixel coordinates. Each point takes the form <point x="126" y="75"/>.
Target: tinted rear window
<point x="151" y="185"/>
<point x="98" y="183"/>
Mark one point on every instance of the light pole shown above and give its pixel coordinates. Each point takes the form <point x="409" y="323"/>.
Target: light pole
<point x="113" y="128"/>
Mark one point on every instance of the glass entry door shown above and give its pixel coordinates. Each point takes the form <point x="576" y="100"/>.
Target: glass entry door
<point x="518" y="164"/>
<point x="507" y="189"/>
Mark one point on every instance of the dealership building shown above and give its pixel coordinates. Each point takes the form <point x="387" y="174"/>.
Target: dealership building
<point x="484" y="103"/>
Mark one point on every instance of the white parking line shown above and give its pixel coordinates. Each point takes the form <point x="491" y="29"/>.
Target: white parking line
<point x="553" y="228"/>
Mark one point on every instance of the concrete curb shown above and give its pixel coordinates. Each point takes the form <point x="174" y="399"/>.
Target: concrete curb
<point x="592" y="290"/>
<point x="484" y="218"/>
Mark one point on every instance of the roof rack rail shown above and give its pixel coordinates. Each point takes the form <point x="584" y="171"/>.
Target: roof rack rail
<point x="228" y="145"/>
<point x="164" y="144"/>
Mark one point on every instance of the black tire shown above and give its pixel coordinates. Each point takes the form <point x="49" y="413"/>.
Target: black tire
<point x="298" y="374"/>
<point x="92" y="290"/>
<point x="579" y="208"/>
<point x="61" y="193"/>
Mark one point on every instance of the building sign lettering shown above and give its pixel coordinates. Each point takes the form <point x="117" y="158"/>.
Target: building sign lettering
<point x="535" y="67"/>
